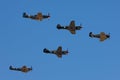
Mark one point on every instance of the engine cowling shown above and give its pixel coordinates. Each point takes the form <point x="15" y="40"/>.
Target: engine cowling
<point x="78" y="28"/>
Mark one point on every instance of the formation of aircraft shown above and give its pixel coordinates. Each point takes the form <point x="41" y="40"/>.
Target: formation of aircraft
<point x="102" y="36"/>
<point x="72" y="27"/>
<point x="38" y="16"/>
<point x="59" y="52"/>
<point x="22" y="69"/>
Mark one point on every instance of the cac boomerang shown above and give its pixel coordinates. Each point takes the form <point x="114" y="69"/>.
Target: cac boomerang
<point x="59" y="52"/>
<point x="38" y="16"/>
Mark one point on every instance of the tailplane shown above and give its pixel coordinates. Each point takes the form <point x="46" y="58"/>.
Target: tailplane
<point x="58" y="26"/>
<point x="25" y="15"/>
<point x="90" y="34"/>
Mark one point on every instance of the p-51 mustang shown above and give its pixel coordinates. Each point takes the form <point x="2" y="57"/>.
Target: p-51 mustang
<point x="72" y="28"/>
<point x="38" y="16"/>
<point x="58" y="52"/>
<point x="22" y="69"/>
<point x="102" y="36"/>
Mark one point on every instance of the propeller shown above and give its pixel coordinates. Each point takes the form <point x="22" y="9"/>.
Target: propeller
<point x="81" y="25"/>
<point x="67" y="50"/>
<point x="109" y="35"/>
<point x="31" y="68"/>
<point x="48" y="16"/>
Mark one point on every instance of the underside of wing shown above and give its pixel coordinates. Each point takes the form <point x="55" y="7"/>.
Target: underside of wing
<point x="102" y="33"/>
<point x="59" y="49"/>
<point x="72" y="23"/>
<point x="73" y="31"/>
<point x="102" y="36"/>
<point x="25" y="70"/>
<point x="72" y="27"/>
<point x="39" y="16"/>
<point x="59" y="55"/>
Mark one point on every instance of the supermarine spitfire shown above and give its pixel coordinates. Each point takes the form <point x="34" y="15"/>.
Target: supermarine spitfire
<point x="72" y="28"/>
<point x="58" y="52"/>
<point x="102" y="36"/>
<point x="22" y="69"/>
<point x="38" y="16"/>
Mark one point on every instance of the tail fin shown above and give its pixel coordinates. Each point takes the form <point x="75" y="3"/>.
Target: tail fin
<point x="46" y="50"/>
<point x="90" y="34"/>
<point x="25" y="15"/>
<point x="10" y="68"/>
<point x="58" y="26"/>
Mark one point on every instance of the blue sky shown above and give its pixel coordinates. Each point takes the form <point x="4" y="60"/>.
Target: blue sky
<point x="22" y="40"/>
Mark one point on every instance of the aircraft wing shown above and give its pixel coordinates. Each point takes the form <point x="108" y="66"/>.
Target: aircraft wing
<point x="59" y="55"/>
<point x="59" y="51"/>
<point x="102" y="33"/>
<point x="39" y="16"/>
<point x="73" y="31"/>
<point x="102" y="36"/>
<point x="72" y="23"/>
<point x="72" y="27"/>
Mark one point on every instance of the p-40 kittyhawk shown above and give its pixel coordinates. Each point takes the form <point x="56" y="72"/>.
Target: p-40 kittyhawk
<point x="22" y="69"/>
<point x="72" y="27"/>
<point x="58" y="52"/>
<point x="38" y="16"/>
<point x="102" y="36"/>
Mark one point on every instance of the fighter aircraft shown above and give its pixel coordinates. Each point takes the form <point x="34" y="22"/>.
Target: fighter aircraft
<point x="72" y="28"/>
<point x="58" y="52"/>
<point x="38" y="16"/>
<point x="102" y="36"/>
<point x="22" y="69"/>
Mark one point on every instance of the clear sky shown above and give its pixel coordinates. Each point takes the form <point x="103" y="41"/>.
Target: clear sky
<point x="22" y="40"/>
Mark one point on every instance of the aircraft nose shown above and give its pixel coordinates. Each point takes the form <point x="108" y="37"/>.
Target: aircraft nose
<point x="67" y="51"/>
